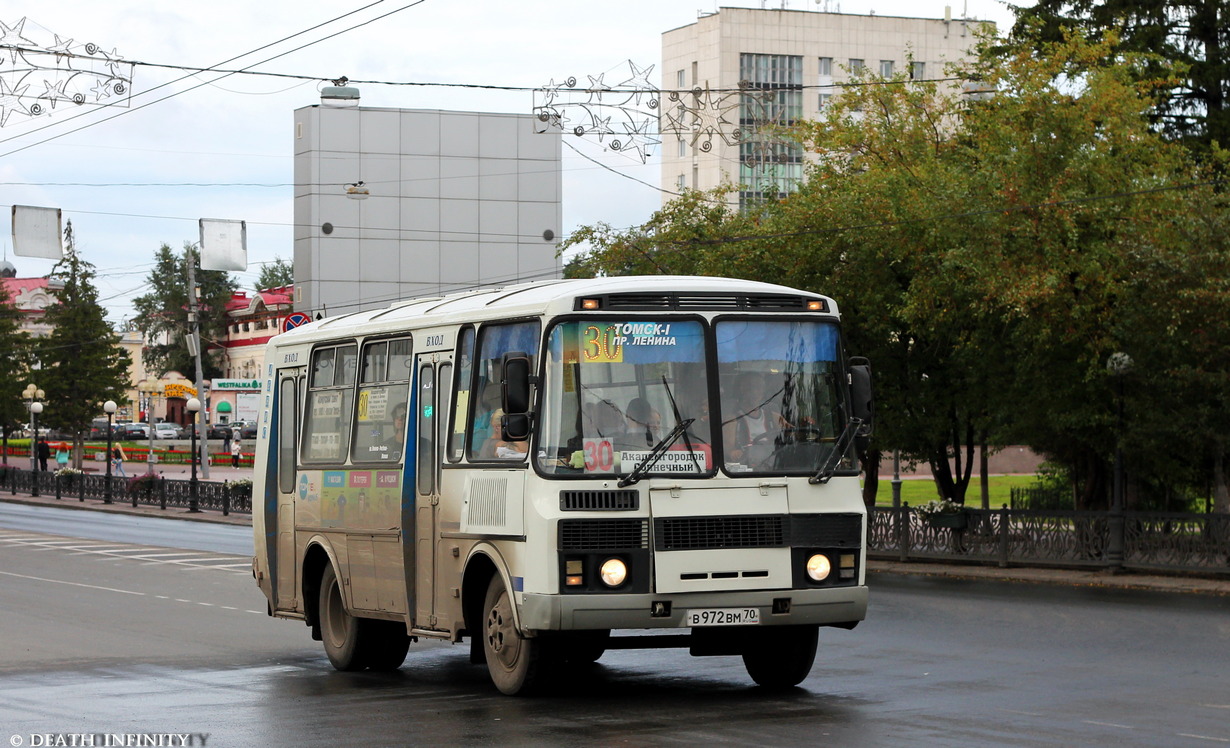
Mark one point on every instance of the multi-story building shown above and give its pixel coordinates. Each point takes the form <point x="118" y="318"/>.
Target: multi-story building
<point x="31" y="297"/>
<point x="739" y="69"/>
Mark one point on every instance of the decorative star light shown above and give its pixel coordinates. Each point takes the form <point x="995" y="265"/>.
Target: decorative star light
<point x="62" y="69"/>
<point x="603" y="110"/>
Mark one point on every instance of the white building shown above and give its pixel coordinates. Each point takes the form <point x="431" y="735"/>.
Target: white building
<point x="790" y="60"/>
<point x="394" y="203"/>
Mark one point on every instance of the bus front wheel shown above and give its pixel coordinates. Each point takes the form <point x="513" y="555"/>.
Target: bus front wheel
<point x="782" y="659"/>
<point x="512" y="659"/>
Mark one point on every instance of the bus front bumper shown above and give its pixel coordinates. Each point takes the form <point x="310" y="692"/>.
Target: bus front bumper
<point x="838" y="606"/>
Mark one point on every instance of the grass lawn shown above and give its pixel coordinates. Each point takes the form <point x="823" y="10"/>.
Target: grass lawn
<point x="916" y="491"/>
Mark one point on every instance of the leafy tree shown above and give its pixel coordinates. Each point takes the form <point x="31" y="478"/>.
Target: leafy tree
<point x="163" y="313"/>
<point x="83" y="365"/>
<point x="275" y="274"/>
<point x="989" y="256"/>
<point x="1191" y="33"/>
<point x="14" y="363"/>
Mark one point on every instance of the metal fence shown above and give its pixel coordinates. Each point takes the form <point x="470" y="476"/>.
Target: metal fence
<point x="1143" y="541"/>
<point x="161" y="492"/>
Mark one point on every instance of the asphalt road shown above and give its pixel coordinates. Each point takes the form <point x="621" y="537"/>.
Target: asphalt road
<point x="112" y="635"/>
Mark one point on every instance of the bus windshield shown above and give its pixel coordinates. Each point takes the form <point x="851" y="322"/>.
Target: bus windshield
<point x="614" y="388"/>
<point x="782" y="407"/>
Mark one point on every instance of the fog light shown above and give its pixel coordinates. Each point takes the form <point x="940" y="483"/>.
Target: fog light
<point x="613" y="572"/>
<point x="574" y="581"/>
<point x="818" y="567"/>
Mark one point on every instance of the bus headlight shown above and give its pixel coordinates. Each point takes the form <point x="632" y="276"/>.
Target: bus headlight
<point x="613" y="572"/>
<point x="819" y="567"/>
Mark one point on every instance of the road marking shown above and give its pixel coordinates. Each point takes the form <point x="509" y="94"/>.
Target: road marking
<point x="1108" y="724"/>
<point x="148" y="554"/>
<point x="1204" y="737"/>
<point x="74" y="584"/>
<point x="1216" y="706"/>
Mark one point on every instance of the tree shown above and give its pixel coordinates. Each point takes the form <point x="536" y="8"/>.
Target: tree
<point x="1191" y="33"/>
<point x="275" y="274"/>
<point x="82" y="363"/>
<point x="163" y="313"/>
<point x="989" y="256"/>
<point x="14" y="363"/>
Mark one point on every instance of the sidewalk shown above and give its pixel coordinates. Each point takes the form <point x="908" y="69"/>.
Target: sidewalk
<point x="1013" y="575"/>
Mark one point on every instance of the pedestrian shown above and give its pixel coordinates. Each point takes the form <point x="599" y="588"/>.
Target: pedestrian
<point x="44" y="453"/>
<point x="226" y="441"/>
<point x="235" y="449"/>
<point x="117" y="460"/>
<point x="61" y="456"/>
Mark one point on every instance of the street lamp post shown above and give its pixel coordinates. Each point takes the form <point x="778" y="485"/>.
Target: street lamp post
<point x="149" y="390"/>
<point x="1119" y="364"/>
<point x="194" y="407"/>
<point x="110" y="407"/>
<point x="33" y="395"/>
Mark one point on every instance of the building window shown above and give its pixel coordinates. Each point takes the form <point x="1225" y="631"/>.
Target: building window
<point x="683" y="148"/>
<point x="826" y="68"/>
<point x="918" y="70"/>
<point x="769" y="167"/>
<point x="856" y="66"/>
<point x="886" y="68"/>
<point x="681" y="183"/>
<point x="680" y="81"/>
<point x="824" y="100"/>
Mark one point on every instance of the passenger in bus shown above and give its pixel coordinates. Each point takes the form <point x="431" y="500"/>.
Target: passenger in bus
<point x="643" y="422"/>
<point x="750" y="431"/>
<point x="395" y="435"/>
<point x="603" y="419"/>
<point x="487" y="405"/>
<point x="496" y="447"/>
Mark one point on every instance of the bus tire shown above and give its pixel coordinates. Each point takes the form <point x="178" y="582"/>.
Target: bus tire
<point x="387" y="646"/>
<point x="345" y="636"/>
<point x="512" y="659"/>
<point x="781" y="656"/>
<point x="583" y="647"/>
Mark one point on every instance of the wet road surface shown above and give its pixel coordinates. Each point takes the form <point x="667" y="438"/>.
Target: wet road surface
<point x="115" y="636"/>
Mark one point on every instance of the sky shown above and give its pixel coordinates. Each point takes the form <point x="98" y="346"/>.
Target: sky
<point x="137" y="169"/>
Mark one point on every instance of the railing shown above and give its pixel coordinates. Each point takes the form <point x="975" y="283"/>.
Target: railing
<point x="159" y="492"/>
<point x="1155" y="541"/>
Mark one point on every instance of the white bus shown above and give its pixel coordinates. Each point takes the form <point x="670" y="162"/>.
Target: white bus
<point x="671" y="458"/>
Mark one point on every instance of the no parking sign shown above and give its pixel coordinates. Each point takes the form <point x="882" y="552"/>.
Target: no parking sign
<point x="293" y="320"/>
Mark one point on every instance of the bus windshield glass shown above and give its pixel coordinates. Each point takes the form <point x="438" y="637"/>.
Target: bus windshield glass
<point x="782" y="407"/>
<point x="615" y="387"/>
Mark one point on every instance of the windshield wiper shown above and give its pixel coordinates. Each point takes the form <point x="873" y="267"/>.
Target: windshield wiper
<point x="656" y="453"/>
<point x="843" y="442"/>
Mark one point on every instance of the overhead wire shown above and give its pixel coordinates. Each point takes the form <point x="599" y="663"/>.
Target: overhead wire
<point x="224" y="75"/>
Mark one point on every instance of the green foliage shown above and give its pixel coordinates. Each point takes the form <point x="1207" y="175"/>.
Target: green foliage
<point x="275" y="275"/>
<point x="163" y="313"/>
<point x="82" y="365"/>
<point x="989" y="256"/>
<point x="14" y="363"/>
<point x="1188" y="36"/>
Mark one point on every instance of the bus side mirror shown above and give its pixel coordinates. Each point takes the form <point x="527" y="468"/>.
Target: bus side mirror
<point x="515" y="394"/>
<point x="861" y="399"/>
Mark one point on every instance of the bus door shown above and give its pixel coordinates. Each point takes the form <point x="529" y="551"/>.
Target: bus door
<point x="432" y="382"/>
<point x="286" y="432"/>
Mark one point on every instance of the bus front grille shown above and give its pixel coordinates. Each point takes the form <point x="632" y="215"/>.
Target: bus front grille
<point x="603" y="534"/>
<point x="599" y="501"/>
<point x="739" y="531"/>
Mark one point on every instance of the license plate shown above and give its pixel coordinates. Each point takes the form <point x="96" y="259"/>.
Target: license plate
<point x="722" y="617"/>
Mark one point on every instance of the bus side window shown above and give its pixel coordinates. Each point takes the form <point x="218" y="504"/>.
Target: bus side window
<point x="288" y="409"/>
<point x="493" y="342"/>
<point x="461" y="400"/>
<point x="326" y="422"/>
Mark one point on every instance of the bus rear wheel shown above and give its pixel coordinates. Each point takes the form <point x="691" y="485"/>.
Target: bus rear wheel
<point x="512" y="659"/>
<point x="354" y="643"/>
<point x="781" y="656"/>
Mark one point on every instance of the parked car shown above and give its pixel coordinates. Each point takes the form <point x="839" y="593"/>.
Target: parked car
<point x="168" y="430"/>
<point x="27" y="430"/>
<point x="216" y="431"/>
<point x="133" y="431"/>
<point x="248" y="430"/>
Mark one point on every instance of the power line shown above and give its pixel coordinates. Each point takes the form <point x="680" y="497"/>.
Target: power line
<point x="193" y="88"/>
